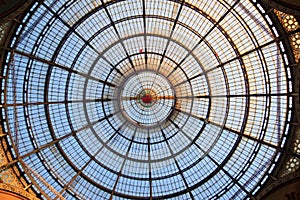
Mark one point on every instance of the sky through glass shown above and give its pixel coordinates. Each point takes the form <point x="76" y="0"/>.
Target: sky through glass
<point x="147" y="98"/>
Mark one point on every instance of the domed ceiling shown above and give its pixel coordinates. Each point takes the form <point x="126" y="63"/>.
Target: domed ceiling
<point x="147" y="99"/>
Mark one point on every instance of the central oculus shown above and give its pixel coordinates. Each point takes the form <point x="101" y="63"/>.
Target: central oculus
<point x="146" y="98"/>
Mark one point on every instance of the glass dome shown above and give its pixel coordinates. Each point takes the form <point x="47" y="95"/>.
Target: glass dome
<point x="147" y="99"/>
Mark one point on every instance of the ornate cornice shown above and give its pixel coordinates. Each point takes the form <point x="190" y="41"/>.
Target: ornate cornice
<point x="285" y="9"/>
<point x="16" y="190"/>
<point x="279" y="184"/>
<point x="16" y="12"/>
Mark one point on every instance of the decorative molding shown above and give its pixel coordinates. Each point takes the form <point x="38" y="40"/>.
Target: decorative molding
<point x="296" y="86"/>
<point x="276" y="184"/>
<point x="295" y="43"/>
<point x="13" y="15"/>
<point x="282" y="8"/>
<point x="17" y="190"/>
<point x="290" y="24"/>
<point x="10" y="176"/>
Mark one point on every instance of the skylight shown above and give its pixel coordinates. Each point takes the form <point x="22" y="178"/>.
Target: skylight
<point x="146" y="98"/>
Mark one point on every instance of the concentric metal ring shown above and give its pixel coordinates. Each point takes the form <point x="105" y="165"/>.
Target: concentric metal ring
<point x="146" y="98"/>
